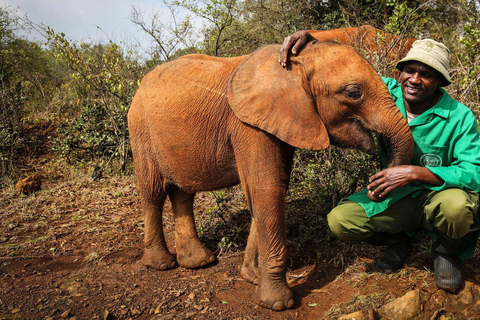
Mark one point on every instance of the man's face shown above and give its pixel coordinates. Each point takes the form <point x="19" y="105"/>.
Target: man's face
<point x="419" y="82"/>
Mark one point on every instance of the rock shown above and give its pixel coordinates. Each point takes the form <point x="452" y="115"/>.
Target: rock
<point x="16" y="310"/>
<point x="402" y="308"/>
<point x="359" y="315"/>
<point x="476" y="289"/>
<point x="66" y="314"/>
<point x="29" y="184"/>
<point x="466" y="295"/>
<point x="136" y="312"/>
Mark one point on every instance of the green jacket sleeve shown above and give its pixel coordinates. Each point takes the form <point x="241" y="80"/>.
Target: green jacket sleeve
<point x="464" y="171"/>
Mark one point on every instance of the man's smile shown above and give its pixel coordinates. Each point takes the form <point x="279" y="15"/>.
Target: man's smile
<point x="413" y="90"/>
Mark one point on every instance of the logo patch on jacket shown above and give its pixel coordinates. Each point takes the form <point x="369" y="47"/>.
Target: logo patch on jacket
<point x="431" y="160"/>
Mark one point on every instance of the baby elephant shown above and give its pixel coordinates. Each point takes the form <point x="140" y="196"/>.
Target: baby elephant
<point x="204" y="123"/>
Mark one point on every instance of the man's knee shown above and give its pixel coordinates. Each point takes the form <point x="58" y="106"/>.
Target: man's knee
<point x="454" y="211"/>
<point x="336" y="223"/>
<point x="344" y="224"/>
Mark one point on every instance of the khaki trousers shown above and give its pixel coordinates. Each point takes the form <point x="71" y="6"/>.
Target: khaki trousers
<point x="451" y="211"/>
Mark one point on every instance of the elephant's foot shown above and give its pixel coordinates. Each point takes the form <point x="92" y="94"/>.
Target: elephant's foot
<point x="275" y="298"/>
<point x="159" y="259"/>
<point x="249" y="272"/>
<point x="193" y="254"/>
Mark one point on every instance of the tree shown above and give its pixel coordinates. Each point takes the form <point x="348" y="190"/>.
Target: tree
<point x="169" y="35"/>
<point x="27" y="82"/>
<point x="103" y="82"/>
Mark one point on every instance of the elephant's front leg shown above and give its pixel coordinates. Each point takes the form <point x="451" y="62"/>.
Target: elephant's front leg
<point x="264" y="170"/>
<point x="272" y="291"/>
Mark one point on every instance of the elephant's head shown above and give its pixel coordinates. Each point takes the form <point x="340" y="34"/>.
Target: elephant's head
<point x="329" y="95"/>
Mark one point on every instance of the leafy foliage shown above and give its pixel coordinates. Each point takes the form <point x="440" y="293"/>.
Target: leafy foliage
<point x="103" y="82"/>
<point x="28" y="77"/>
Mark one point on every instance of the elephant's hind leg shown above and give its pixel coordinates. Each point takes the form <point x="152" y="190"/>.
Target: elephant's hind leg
<point x="191" y="253"/>
<point x="156" y="254"/>
<point x="152" y="194"/>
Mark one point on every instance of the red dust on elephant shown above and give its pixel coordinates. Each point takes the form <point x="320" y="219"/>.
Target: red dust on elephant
<point x="203" y="123"/>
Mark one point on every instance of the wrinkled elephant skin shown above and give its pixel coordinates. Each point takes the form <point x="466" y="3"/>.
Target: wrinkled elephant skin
<point x="204" y="123"/>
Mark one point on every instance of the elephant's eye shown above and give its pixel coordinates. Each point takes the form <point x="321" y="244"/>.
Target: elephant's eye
<point x="353" y="91"/>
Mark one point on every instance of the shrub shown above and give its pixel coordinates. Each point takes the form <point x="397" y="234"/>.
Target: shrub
<point x="103" y="83"/>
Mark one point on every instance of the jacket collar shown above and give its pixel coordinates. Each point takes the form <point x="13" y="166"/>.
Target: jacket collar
<point x="441" y="108"/>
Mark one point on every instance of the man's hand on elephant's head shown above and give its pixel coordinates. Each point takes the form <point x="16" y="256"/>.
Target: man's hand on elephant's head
<point x="295" y="42"/>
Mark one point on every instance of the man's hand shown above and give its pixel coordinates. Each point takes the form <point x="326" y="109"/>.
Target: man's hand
<point x="297" y="40"/>
<point x="387" y="180"/>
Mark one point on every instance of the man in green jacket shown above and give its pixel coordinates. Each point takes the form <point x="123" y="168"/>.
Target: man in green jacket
<point x="438" y="191"/>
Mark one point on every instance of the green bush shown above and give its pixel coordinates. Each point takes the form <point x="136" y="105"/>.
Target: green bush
<point x="103" y="83"/>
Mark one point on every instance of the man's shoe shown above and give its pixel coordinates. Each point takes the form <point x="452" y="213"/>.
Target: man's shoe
<point x="398" y="244"/>
<point x="444" y="251"/>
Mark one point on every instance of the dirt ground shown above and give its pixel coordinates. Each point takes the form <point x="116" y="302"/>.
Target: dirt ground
<point x="72" y="251"/>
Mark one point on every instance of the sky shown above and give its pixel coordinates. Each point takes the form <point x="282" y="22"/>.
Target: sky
<point x="80" y="19"/>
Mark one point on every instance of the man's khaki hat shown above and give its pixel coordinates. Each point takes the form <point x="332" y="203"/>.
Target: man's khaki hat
<point x="433" y="54"/>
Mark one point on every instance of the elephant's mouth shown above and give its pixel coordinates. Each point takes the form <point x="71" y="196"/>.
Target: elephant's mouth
<point x="354" y="135"/>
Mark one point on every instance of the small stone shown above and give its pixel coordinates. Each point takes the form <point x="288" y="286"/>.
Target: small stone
<point x="353" y="316"/>
<point x="191" y="296"/>
<point x="136" y="312"/>
<point x="66" y="314"/>
<point x="16" y="310"/>
<point x="466" y="295"/>
<point x="159" y="308"/>
<point x="30" y="184"/>
<point x="403" y="308"/>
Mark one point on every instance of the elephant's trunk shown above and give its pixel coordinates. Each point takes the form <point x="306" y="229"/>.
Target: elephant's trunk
<point x="400" y="138"/>
<point x="394" y="127"/>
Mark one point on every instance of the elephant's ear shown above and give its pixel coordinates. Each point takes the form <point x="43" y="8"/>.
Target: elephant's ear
<point x="267" y="96"/>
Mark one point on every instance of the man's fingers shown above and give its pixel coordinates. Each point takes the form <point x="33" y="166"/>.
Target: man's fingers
<point x="378" y="189"/>
<point x="375" y="181"/>
<point x="287" y="43"/>
<point x="385" y="193"/>
<point x="298" y="45"/>
<point x="376" y="176"/>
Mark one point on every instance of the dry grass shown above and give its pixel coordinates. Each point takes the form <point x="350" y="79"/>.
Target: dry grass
<point x="70" y="207"/>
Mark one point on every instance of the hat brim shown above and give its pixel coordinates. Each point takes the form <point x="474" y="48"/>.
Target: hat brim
<point x="441" y="72"/>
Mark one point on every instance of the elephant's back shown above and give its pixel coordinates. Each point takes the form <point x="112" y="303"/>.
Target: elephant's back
<point x="181" y="82"/>
<point x="181" y="111"/>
